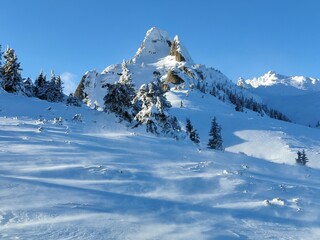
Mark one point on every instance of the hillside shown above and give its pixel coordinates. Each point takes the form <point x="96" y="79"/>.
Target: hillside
<point x="97" y="179"/>
<point x="84" y="173"/>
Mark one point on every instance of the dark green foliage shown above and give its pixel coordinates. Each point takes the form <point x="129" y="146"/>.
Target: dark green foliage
<point x="150" y="108"/>
<point x="175" y="126"/>
<point x="222" y="91"/>
<point x="54" y="91"/>
<point x="41" y="86"/>
<point x="120" y="95"/>
<point x="189" y="126"/>
<point x="51" y="91"/>
<point x="28" y="87"/>
<point x="215" y="142"/>
<point x="73" y="101"/>
<point x="239" y="107"/>
<point x="302" y="158"/>
<point x="192" y="133"/>
<point x="11" y="77"/>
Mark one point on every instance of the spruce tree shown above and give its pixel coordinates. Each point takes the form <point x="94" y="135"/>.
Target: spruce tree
<point x="193" y="135"/>
<point x="150" y="108"/>
<point x="298" y="159"/>
<point x="302" y="158"/>
<point x="11" y="77"/>
<point x="120" y="95"/>
<point x="73" y="101"/>
<point x="41" y="86"/>
<point x="215" y="142"/>
<point x="54" y="91"/>
<point x="189" y="126"/>
<point x="59" y="89"/>
<point x="50" y="91"/>
<point x="29" y="88"/>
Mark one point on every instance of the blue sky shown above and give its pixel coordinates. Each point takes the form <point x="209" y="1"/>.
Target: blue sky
<point x="239" y="37"/>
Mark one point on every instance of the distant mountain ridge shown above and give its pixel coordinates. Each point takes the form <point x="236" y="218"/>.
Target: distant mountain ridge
<point x="272" y="78"/>
<point x="296" y="96"/>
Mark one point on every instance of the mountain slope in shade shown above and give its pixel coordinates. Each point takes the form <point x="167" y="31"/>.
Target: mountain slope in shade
<point x="297" y="97"/>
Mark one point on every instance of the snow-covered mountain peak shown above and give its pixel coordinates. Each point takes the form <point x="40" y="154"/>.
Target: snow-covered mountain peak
<point x="270" y="73"/>
<point x="272" y="78"/>
<point x="156" y="34"/>
<point x="180" y="51"/>
<point x="158" y="45"/>
<point x="295" y="96"/>
<point x="155" y="45"/>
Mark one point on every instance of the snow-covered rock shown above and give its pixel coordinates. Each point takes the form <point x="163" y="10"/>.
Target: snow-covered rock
<point x="155" y="45"/>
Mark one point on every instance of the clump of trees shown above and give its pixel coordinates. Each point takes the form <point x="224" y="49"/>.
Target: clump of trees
<point x="12" y="82"/>
<point x="225" y="92"/>
<point x="51" y="91"/>
<point x="148" y="105"/>
<point x="73" y="101"/>
<point x="151" y="108"/>
<point x="302" y="158"/>
<point x="120" y="96"/>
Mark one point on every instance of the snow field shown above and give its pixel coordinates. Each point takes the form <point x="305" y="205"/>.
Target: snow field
<point x="96" y="179"/>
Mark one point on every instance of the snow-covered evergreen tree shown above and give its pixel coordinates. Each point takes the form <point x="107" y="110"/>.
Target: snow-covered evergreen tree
<point x="215" y="142"/>
<point x="59" y="89"/>
<point x="41" y="86"/>
<point x="302" y="158"/>
<point x="51" y="85"/>
<point x="11" y="77"/>
<point x="29" y="88"/>
<point x="120" y="95"/>
<point x="54" y="92"/>
<point x="150" y="106"/>
<point x="192" y="133"/>
<point x="73" y="101"/>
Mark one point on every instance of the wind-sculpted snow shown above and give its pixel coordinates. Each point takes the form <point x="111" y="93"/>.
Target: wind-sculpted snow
<point x="91" y="177"/>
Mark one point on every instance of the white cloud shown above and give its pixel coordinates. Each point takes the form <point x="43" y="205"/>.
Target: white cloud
<point x="70" y="82"/>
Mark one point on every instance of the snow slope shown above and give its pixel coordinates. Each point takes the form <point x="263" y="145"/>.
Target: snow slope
<point x="78" y="173"/>
<point x="96" y="179"/>
<point x="295" y="96"/>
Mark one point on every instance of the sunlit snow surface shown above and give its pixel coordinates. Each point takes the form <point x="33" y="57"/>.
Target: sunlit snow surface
<point x="98" y="179"/>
